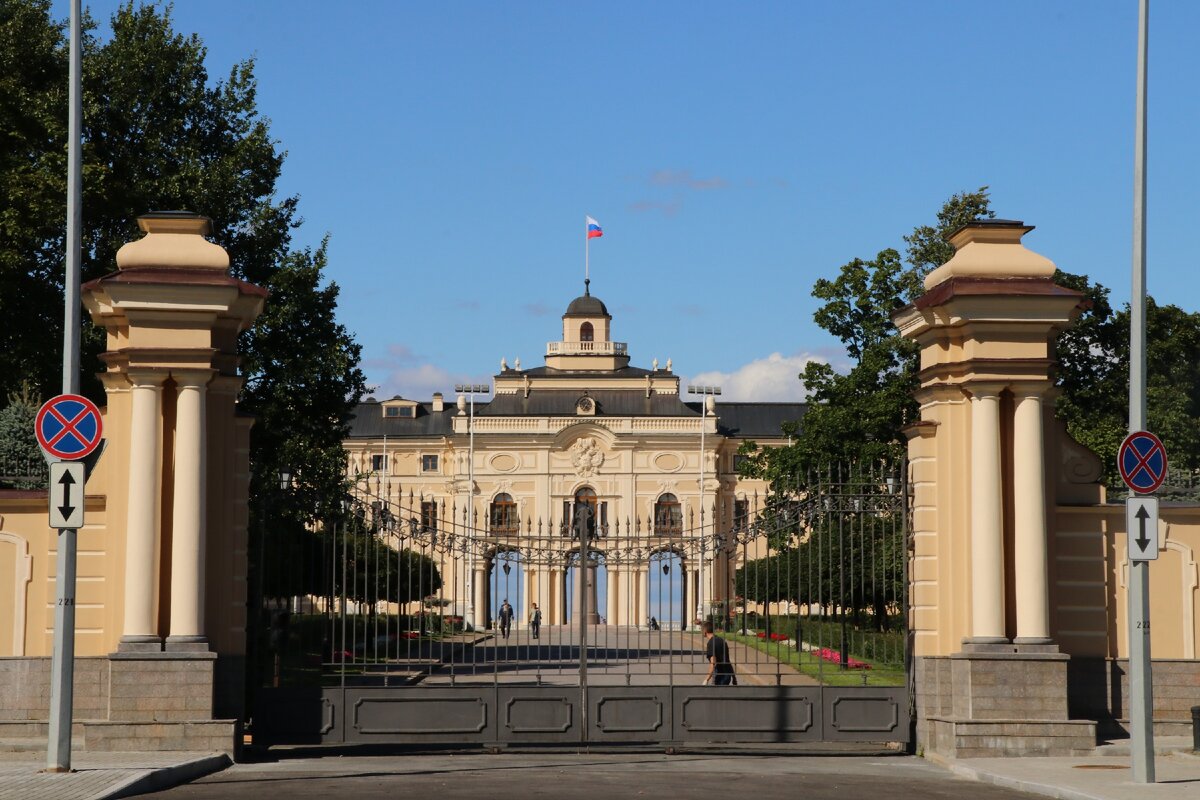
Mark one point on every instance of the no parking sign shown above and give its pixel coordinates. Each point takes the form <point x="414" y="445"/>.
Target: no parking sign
<point x="1142" y="461"/>
<point x="68" y="427"/>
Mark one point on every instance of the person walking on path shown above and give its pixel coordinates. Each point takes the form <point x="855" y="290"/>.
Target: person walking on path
<point x="535" y="621"/>
<point x="716" y="650"/>
<point x="506" y="615"/>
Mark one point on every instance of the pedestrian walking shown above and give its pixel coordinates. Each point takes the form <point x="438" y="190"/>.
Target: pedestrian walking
<point x="506" y="615"/>
<point x="535" y="621"/>
<point x="716" y="650"/>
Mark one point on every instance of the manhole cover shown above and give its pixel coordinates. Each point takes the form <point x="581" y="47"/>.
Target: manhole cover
<point x="1101" y="766"/>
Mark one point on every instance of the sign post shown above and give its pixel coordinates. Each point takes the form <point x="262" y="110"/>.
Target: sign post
<point x="68" y="428"/>
<point x="1141" y="684"/>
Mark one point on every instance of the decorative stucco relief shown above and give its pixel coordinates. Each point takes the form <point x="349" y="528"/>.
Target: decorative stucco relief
<point x="586" y="456"/>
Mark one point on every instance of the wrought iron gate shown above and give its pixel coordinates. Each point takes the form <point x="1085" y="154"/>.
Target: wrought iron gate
<point x="389" y="623"/>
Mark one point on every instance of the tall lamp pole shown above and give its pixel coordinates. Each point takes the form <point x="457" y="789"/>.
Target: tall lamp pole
<point x="708" y="403"/>
<point x="470" y="390"/>
<point x="1141" y="678"/>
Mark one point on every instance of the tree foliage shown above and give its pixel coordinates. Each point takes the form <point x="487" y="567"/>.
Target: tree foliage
<point x="160" y="133"/>
<point x="22" y="465"/>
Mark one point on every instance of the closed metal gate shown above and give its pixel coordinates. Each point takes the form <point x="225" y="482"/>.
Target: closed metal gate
<point x="403" y="621"/>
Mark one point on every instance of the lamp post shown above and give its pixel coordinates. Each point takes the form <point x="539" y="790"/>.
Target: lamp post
<point x="470" y="390"/>
<point x="708" y="402"/>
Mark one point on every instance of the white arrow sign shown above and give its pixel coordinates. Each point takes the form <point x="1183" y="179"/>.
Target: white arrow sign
<point x="1141" y="525"/>
<point x="66" y="494"/>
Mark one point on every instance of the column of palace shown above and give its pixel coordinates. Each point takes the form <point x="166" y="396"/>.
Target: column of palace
<point x="990" y="679"/>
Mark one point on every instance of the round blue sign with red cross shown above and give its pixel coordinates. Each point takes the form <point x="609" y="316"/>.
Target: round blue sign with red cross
<point x="68" y="427"/>
<point x="1142" y="461"/>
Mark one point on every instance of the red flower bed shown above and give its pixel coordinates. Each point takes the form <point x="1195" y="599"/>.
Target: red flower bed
<point x="775" y="637"/>
<point x="835" y="657"/>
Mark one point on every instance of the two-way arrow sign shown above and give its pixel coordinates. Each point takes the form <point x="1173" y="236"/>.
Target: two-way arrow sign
<point x="66" y="494"/>
<point x="1141" y="520"/>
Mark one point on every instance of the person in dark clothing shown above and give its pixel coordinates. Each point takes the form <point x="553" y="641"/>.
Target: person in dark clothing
<point x="716" y="649"/>
<point x="535" y="621"/>
<point x="506" y="615"/>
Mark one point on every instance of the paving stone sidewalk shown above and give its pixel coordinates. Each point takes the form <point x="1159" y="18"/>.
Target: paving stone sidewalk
<point x="1101" y="777"/>
<point x="99" y="776"/>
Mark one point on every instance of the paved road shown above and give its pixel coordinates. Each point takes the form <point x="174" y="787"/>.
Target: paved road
<point x="598" y="776"/>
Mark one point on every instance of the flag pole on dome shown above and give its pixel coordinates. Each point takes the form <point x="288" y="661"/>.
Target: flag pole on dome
<point x="592" y="230"/>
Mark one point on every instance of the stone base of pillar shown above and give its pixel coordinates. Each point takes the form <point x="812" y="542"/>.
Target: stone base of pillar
<point x="140" y="644"/>
<point x="1007" y="700"/>
<point x="186" y="644"/>
<point x="161" y="687"/>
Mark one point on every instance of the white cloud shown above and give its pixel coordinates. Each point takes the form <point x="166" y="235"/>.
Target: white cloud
<point x="774" y="378"/>
<point x="405" y="373"/>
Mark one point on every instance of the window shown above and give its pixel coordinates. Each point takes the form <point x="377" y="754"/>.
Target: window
<point x="379" y="463"/>
<point x="429" y="516"/>
<point x="740" y="462"/>
<point x="503" y="517"/>
<point x="398" y="411"/>
<point x="668" y="515"/>
<point x="741" y="514"/>
<point x="586" y="332"/>
<point x="429" y="463"/>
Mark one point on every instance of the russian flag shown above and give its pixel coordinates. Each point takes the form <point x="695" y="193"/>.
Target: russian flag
<point x="593" y="229"/>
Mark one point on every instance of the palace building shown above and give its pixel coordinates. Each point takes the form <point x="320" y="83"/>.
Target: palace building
<point x="656" y="470"/>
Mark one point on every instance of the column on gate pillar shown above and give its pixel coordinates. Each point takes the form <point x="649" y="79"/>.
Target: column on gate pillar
<point x="172" y="315"/>
<point x="139" y="632"/>
<point x="981" y="621"/>
<point x="1030" y="557"/>
<point x="188" y="515"/>
<point x="987" y="516"/>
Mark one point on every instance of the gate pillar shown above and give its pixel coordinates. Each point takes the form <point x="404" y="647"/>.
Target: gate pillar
<point x="989" y="677"/>
<point x="177" y="462"/>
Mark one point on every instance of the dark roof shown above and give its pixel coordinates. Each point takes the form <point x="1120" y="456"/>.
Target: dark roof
<point x="369" y="421"/>
<point x="586" y="306"/>
<point x="756" y="420"/>
<point x="609" y="403"/>
<point x="739" y="420"/>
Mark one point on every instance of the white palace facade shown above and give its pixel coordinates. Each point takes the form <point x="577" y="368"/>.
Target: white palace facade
<point x="497" y="479"/>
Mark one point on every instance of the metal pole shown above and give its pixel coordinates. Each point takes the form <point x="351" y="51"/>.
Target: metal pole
<point x="700" y="554"/>
<point x="582" y="516"/>
<point x="62" y="669"/>
<point x="471" y="510"/>
<point x="1141" y="679"/>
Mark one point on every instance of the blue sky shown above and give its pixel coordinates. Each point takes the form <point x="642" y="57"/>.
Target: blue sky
<point x="733" y="152"/>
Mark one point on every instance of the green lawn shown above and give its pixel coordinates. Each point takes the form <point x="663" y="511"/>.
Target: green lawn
<point x="828" y="673"/>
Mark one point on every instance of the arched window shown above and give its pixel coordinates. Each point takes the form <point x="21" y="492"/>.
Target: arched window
<point x="503" y="518"/>
<point x="586" y="332"/>
<point x="668" y="516"/>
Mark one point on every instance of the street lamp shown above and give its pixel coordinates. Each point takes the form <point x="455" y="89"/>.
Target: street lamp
<point x="470" y="390"/>
<point x="708" y="403"/>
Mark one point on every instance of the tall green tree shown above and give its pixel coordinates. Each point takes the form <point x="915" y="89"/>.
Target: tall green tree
<point x="161" y="133"/>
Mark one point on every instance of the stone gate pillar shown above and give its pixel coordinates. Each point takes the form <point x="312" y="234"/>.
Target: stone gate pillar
<point x="172" y="314"/>
<point x="990" y="679"/>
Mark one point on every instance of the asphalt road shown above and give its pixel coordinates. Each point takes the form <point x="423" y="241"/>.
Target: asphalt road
<point x="602" y="776"/>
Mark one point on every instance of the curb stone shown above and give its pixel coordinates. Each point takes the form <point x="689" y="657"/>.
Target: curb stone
<point x="160" y="778"/>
